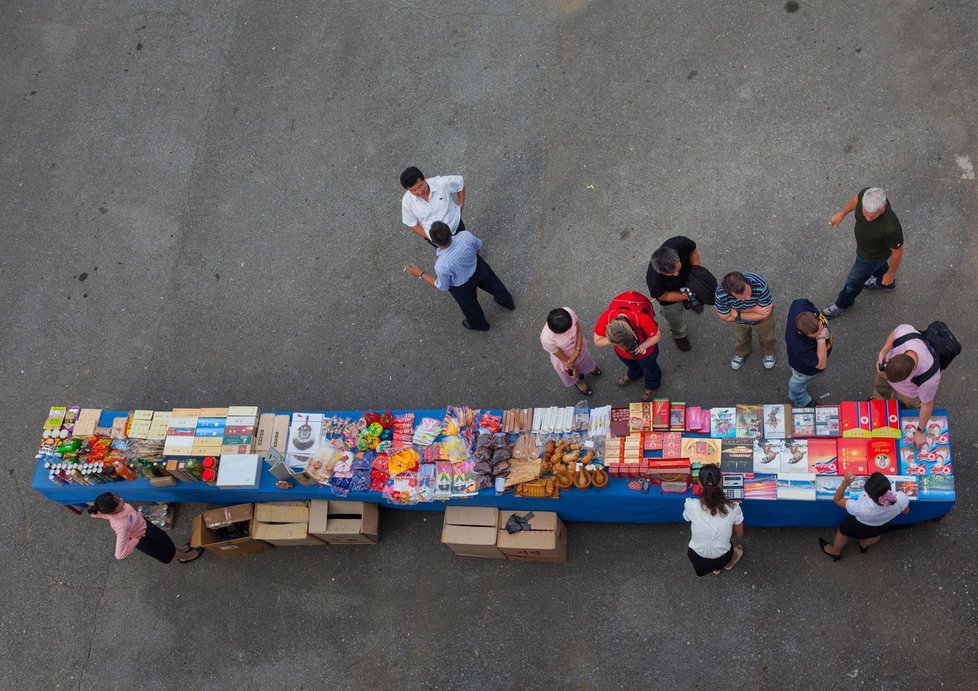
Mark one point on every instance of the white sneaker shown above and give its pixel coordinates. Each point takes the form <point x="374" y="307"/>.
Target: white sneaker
<point x="832" y="311"/>
<point x="736" y="362"/>
<point x="769" y="360"/>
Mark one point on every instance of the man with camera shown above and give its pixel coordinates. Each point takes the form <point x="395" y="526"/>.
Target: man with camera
<point x="906" y="371"/>
<point x="666" y="277"/>
<point x="629" y="325"/>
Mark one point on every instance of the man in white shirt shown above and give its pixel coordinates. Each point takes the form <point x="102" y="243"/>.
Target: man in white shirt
<point x="439" y="198"/>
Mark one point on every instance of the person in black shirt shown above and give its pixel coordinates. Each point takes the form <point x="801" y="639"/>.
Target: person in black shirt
<point x="666" y="277"/>
<point x="879" y="247"/>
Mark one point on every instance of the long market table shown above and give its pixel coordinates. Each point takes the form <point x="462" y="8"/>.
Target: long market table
<point x="613" y="504"/>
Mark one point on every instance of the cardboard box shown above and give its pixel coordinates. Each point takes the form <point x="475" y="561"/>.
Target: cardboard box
<point x="546" y="540"/>
<point x="280" y="433"/>
<point x="344" y="522"/>
<point x="204" y="532"/>
<point x="283" y="523"/>
<point x="263" y="440"/>
<point x="470" y="531"/>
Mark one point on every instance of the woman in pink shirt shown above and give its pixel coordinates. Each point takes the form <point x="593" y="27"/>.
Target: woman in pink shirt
<point x="133" y="532"/>
<point x="563" y="338"/>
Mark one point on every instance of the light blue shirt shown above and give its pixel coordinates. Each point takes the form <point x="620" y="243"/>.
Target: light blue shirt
<point x="456" y="263"/>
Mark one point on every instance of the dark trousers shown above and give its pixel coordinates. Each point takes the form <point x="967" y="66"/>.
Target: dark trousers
<point x="157" y="544"/>
<point x="467" y="297"/>
<point x="647" y="366"/>
<point x="859" y="273"/>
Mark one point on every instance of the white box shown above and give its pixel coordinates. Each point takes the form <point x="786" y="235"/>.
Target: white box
<point x="238" y="471"/>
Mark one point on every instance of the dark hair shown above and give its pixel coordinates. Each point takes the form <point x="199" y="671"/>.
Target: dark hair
<point x="734" y="282"/>
<point x="559" y="320"/>
<point x="713" y="496"/>
<point x="876" y="486"/>
<point x="898" y="367"/>
<point x="440" y="234"/>
<point x="664" y="260"/>
<point x="104" y="503"/>
<point x="409" y="176"/>
<point x="808" y="323"/>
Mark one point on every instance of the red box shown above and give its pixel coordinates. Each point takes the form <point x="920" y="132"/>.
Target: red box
<point x="882" y="456"/>
<point x="660" y="414"/>
<point x="672" y="445"/>
<point x="652" y="441"/>
<point x="854" y="419"/>
<point x="884" y="419"/>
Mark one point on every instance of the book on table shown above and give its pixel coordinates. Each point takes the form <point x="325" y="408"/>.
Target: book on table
<point x="882" y="456"/>
<point x="777" y="421"/>
<point x="826" y="486"/>
<point x="767" y="455"/>
<point x="723" y="423"/>
<point x="794" y="459"/>
<point x="803" y="422"/>
<point x="906" y="484"/>
<point x="749" y="422"/>
<point x="823" y="456"/>
<point x="761" y="486"/>
<point x="853" y="456"/>
<point x="737" y="455"/>
<point x="797" y="488"/>
<point x="827" y="421"/>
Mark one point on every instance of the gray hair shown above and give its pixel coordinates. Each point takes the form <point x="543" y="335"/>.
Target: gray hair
<point x="664" y="260"/>
<point x="874" y="199"/>
<point x="620" y="333"/>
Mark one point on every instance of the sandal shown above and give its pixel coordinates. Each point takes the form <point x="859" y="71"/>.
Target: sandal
<point x="738" y="553"/>
<point x="587" y="390"/>
<point x="649" y="394"/>
<point x="822" y="544"/>
<point x="197" y="552"/>
<point x="597" y="372"/>
<point x="624" y="380"/>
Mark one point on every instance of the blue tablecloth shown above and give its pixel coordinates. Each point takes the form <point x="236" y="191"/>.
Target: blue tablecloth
<point x="613" y="504"/>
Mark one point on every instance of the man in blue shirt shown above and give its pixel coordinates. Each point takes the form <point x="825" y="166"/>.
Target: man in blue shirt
<point x="460" y="271"/>
<point x="744" y="300"/>
<point x="809" y="343"/>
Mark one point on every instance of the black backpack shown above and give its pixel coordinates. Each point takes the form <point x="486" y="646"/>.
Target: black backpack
<point x="942" y="344"/>
<point x="702" y="284"/>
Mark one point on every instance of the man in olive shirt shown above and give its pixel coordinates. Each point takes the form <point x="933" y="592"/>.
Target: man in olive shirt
<point x="666" y="277"/>
<point x="879" y="247"/>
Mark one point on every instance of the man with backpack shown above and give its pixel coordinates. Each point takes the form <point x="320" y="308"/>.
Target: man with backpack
<point x="909" y="368"/>
<point x="629" y="325"/>
<point x="668" y="278"/>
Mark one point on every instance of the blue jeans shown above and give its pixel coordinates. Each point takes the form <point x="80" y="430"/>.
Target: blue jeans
<point x="798" y="388"/>
<point x="860" y="271"/>
<point x="647" y="366"/>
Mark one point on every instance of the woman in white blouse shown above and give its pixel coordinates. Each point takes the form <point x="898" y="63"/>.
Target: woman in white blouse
<point x="715" y="519"/>
<point x="867" y="517"/>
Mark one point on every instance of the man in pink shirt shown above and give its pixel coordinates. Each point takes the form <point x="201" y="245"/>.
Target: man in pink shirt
<point x="907" y="371"/>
